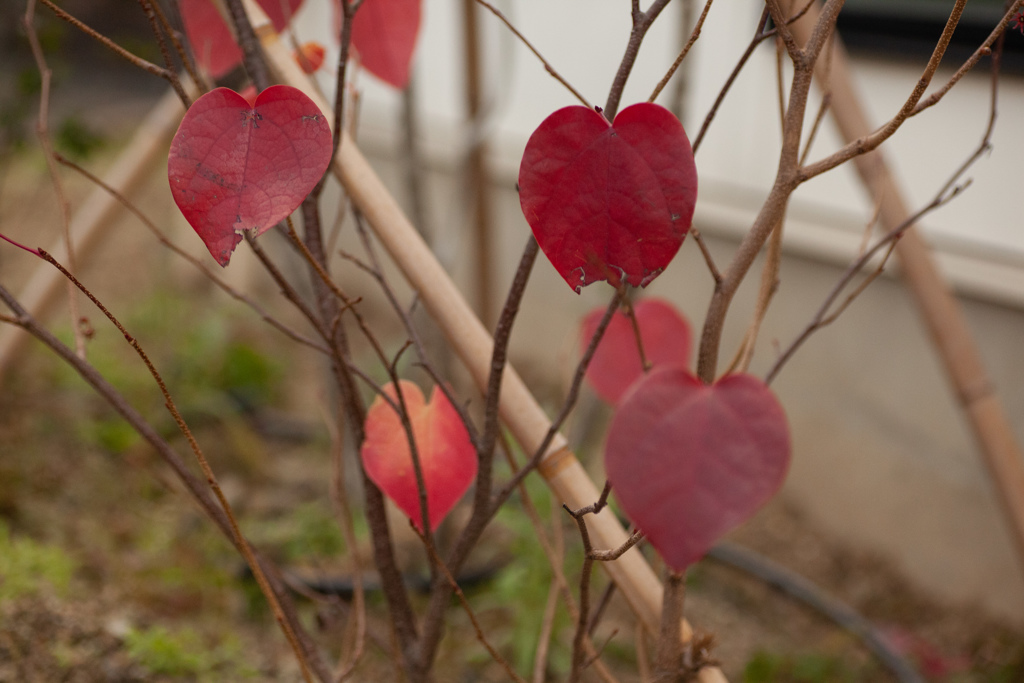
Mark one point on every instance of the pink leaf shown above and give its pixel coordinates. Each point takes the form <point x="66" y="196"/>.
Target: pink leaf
<point x="616" y="363"/>
<point x="689" y="462"/>
<point x="211" y="39"/>
<point x="447" y="457"/>
<point x="609" y="202"/>
<point x="384" y="33"/>
<point x="235" y="166"/>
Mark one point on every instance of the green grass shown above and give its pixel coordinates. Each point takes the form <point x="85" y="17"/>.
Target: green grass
<point x="28" y="567"/>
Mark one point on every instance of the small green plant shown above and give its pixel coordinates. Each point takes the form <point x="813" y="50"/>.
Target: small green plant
<point x="183" y="652"/>
<point x="77" y="140"/>
<point x="810" y="667"/>
<point x="27" y="567"/>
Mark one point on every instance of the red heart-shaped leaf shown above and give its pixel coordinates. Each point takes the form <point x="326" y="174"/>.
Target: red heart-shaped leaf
<point x="609" y="202"/>
<point x="384" y="33"/>
<point x="235" y="166"/>
<point x="688" y="462"/>
<point x="616" y="363"/>
<point x="211" y="39"/>
<point x="447" y="457"/>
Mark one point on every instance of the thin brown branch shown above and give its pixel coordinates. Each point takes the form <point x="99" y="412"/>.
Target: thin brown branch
<point x="682" y="53"/>
<point x="616" y="553"/>
<point x="183" y="54"/>
<point x="547" y="626"/>
<point x="143" y="64"/>
<point x="983" y="50"/>
<point x="570" y="402"/>
<point x="318" y="268"/>
<point x="348" y="13"/>
<point x="148" y="8"/>
<point x="642" y="21"/>
<point x="870" y="142"/>
<point x="602" y="605"/>
<point x="286" y="288"/>
<point x="635" y="326"/>
<point x="698" y="237"/>
<point x="547" y="65"/>
<point x="759" y="35"/>
<point x="252" y="51"/>
<point x="822" y="317"/>
<point x="780" y="86"/>
<point x="374" y="270"/>
<point x="782" y="30"/>
<point x="585" y="574"/>
<point x="499" y="358"/>
<point x="769" y="285"/>
<point x="786" y="181"/>
<point x="339" y="496"/>
<point x="43" y="134"/>
<point x="495" y="655"/>
<point x="824" y="80"/>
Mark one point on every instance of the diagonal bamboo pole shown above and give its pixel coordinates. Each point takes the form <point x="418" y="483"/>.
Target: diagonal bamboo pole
<point x="939" y="308"/>
<point x="94" y="218"/>
<point x="518" y="408"/>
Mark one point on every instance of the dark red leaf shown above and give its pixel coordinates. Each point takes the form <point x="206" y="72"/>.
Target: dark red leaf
<point x="211" y="39"/>
<point x="384" y="33"/>
<point x="447" y="457"/>
<point x="609" y="202"/>
<point x="235" y="167"/>
<point x="616" y="363"/>
<point x="688" y="462"/>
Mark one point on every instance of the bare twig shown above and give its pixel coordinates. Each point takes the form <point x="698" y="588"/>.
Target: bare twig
<point x="43" y="134"/>
<point x="151" y="10"/>
<point x="252" y="52"/>
<point x="642" y="21"/>
<point x="822" y="317"/>
<point x="184" y="54"/>
<point x="616" y="553"/>
<point x="469" y="612"/>
<point x="698" y="237"/>
<point x="634" y="324"/>
<point x="547" y="66"/>
<point x="769" y="285"/>
<point x="872" y="141"/>
<point x="682" y="54"/>
<point x="570" y="401"/>
<point x="786" y="181"/>
<point x="339" y="495"/>
<point x="143" y="64"/>
<point x="759" y="36"/>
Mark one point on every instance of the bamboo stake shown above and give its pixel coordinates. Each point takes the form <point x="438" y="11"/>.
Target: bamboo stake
<point x="476" y="166"/>
<point x="94" y="218"/>
<point x="939" y="308"/>
<point x="518" y="408"/>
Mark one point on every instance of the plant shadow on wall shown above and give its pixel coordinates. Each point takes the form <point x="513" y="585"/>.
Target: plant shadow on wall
<point x="474" y="571"/>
